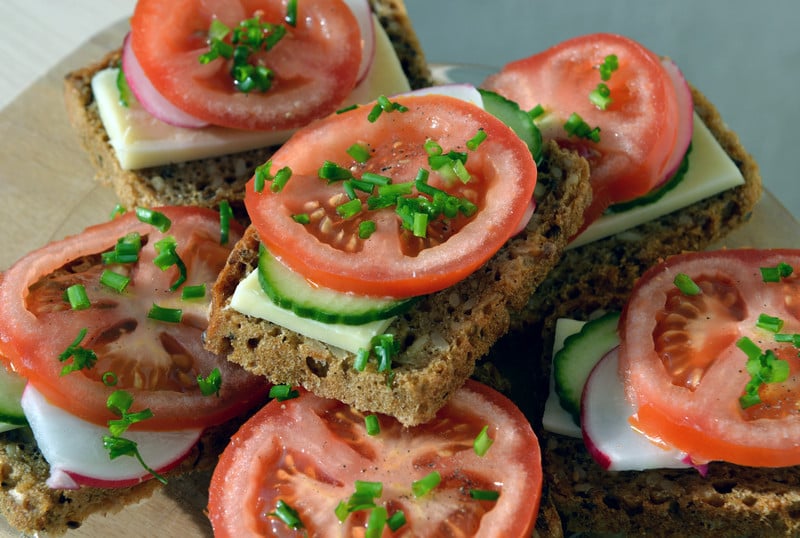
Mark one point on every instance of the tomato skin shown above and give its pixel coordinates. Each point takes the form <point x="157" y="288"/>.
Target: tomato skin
<point x="309" y="451"/>
<point x="706" y="419"/>
<point x="37" y="325"/>
<point x="638" y="130"/>
<point x="168" y="37"/>
<point x="504" y="176"/>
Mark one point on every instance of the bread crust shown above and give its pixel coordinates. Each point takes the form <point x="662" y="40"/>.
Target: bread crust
<point x="442" y="336"/>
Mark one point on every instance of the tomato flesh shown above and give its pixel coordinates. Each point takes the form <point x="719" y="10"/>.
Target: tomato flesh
<point x="682" y="367"/>
<point x="309" y="451"/>
<point x="392" y="262"/>
<point x="157" y="362"/>
<point x="638" y="130"/>
<point x="315" y="64"/>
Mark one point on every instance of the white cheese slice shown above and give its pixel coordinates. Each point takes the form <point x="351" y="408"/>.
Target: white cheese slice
<point x="140" y="140"/>
<point x="710" y="172"/>
<point x="250" y="299"/>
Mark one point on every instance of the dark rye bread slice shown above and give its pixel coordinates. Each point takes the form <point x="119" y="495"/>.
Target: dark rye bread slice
<point x="30" y="506"/>
<point x="205" y="182"/>
<point x="442" y="337"/>
<point x="599" y="276"/>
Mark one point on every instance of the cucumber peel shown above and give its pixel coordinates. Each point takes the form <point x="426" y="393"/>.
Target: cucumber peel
<point x="581" y="352"/>
<point x="292" y="291"/>
<point x="11" y="387"/>
<point x="517" y="119"/>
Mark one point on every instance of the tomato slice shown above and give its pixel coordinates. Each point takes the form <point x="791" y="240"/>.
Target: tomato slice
<point x="309" y="451"/>
<point x="315" y="64"/>
<point x="682" y="367"/>
<point x="392" y="261"/>
<point x="638" y="130"/>
<point x="157" y="362"/>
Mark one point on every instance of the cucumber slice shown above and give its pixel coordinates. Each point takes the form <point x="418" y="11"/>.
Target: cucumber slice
<point x="292" y="291"/>
<point x="520" y="121"/>
<point x="581" y="352"/>
<point x="11" y="387"/>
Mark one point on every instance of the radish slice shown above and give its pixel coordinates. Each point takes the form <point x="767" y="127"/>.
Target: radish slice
<point x="150" y="98"/>
<point x="74" y="447"/>
<point x="363" y="14"/>
<point x="608" y="435"/>
<point x="685" y="121"/>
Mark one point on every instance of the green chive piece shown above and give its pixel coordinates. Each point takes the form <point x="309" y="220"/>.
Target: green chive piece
<point x="81" y="357"/>
<point x="536" y="111"/>
<point x="774" y="274"/>
<point x="349" y="209"/>
<point x="425" y="484"/>
<point x="362" y="357"/>
<point x="347" y="109"/>
<point x="115" y="281"/>
<point x="686" y="285"/>
<point x="601" y="96"/>
<point x="376" y="522"/>
<point x="283" y="392"/>
<point x="225" y="216"/>
<point x="341" y="511"/>
<point x="375" y="179"/>
<point x="432" y="148"/>
<point x="609" y="65"/>
<point x="383" y="104"/>
<point x="291" y="13"/>
<point x="359" y="152"/>
<point x="287" y="515"/>
<point x="396" y="520"/>
<point x="793" y="338"/>
<point x="118" y="210"/>
<point x="281" y="178"/>
<point x="110" y="379"/>
<point x="123" y="89"/>
<point x="262" y="173"/>
<point x="369" y="489"/>
<point x="167" y="315"/>
<point x="77" y="297"/>
<point x="475" y="141"/>
<point x="484" y="494"/>
<point x="372" y="424"/>
<point x="461" y="171"/>
<point x="366" y="228"/>
<point x="576" y="126"/>
<point x="482" y="442"/>
<point x="193" y="292"/>
<point x="333" y="172"/>
<point x="302" y="218"/>
<point x="763" y="368"/>
<point x="210" y="384"/>
<point x="769" y="323"/>
<point x="155" y="218"/>
<point x="420" y="226"/>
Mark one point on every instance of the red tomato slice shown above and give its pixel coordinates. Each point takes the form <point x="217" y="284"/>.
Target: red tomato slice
<point x="683" y="370"/>
<point x="157" y="362"/>
<point x="315" y="64"/>
<point x="309" y="451"/>
<point x="638" y="130"/>
<point x="392" y="262"/>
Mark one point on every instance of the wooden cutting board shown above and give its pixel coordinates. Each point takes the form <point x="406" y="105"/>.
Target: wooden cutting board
<point x="47" y="191"/>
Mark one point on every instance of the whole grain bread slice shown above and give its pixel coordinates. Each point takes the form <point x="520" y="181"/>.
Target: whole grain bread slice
<point x="205" y="182"/>
<point x="441" y="337"/>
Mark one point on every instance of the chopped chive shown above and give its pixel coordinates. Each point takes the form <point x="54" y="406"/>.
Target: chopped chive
<point x="155" y="218"/>
<point x="774" y="274"/>
<point x="359" y="152"/>
<point x="77" y="297"/>
<point x="302" y="218"/>
<point x="484" y="494"/>
<point x="367" y="488"/>
<point x="372" y="424"/>
<point x="366" y="228"/>
<point x="482" y="442"/>
<point x="576" y="126"/>
<point x="349" y="209"/>
<point x="396" y="520"/>
<point x="81" y="356"/>
<point x="425" y="484"/>
<point x="432" y="148"/>
<point x="115" y="281"/>
<point x="376" y="522"/>
<point x="475" y="141"/>
<point x="167" y="256"/>
<point x="124" y="91"/>
<point x="287" y="515"/>
<point x="347" y="109"/>
<point x="118" y="210"/>
<point x="281" y="178"/>
<point x="282" y="392"/>
<point x="210" y="384"/>
<point x="536" y="111"/>
<point x="193" y="292"/>
<point x="225" y="216"/>
<point x="333" y="172"/>
<point x="167" y="315"/>
<point x="600" y="96"/>
<point x="763" y="368"/>
<point x="362" y="357"/>
<point x="769" y="323"/>
<point x="750" y="348"/>
<point x="609" y="65"/>
<point x="686" y="285"/>
<point x="110" y="379"/>
<point x="291" y="13"/>
<point x="461" y="171"/>
<point x="420" y="226"/>
<point x="262" y="173"/>
<point x="395" y="189"/>
<point x="375" y="179"/>
<point x="383" y="104"/>
<point x="349" y="190"/>
<point x="341" y="511"/>
<point x="793" y="338"/>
